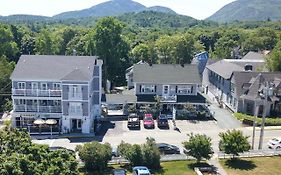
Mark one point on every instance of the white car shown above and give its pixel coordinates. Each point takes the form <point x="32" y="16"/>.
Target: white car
<point x="274" y="143"/>
<point x="141" y="170"/>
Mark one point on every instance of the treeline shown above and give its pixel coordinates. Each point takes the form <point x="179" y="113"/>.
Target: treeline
<point x="120" y="45"/>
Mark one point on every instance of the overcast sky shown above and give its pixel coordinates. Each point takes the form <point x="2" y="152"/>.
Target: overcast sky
<point x="199" y="9"/>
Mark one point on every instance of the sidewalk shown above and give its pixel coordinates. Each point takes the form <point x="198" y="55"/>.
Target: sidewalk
<point x="215" y="162"/>
<point x="265" y="128"/>
<point x="72" y="135"/>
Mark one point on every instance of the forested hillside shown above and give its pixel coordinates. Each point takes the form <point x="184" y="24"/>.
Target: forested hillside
<point x="147" y="36"/>
<point x="249" y="10"/>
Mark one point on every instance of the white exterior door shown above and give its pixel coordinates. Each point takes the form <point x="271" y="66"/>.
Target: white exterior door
<point x="34" y="85"/>
<point x="166" y="90"/>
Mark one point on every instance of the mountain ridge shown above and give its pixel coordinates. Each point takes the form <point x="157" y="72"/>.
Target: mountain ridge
<point x="111" y="8"/>
<point x="248" y="10"/>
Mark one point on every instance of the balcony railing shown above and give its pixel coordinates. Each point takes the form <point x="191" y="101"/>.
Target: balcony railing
<point x="37" y="93"/>
<point x="39" y="109"/>
<point x="168" y="98"/>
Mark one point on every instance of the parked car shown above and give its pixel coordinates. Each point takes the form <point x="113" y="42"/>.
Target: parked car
<point x="162" y="121"/>
<point x="133" y="121"/>
<point x="165" y="148"/>
<point x="141" y="170"/>
<point x="118" y="172"/>
<point x="274" y="143"/>
<point x="148" y="121"/>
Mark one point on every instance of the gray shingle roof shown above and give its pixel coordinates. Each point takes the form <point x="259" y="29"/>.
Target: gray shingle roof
<point x="120" y="98"/>
<point x="54" y="68"/>
<point x="224" y="68"/>
<point x="166" y="74"/>
<point x="258" y="65"/>
<point x="253" y="56"/>
<point x="240" y="78"/>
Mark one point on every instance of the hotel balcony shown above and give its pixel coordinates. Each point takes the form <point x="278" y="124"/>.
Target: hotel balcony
<point x="39" y="109"/>
<point x="36" y="93"/>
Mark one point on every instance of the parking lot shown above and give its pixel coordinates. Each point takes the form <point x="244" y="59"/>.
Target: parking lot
<point x="114" y="135"/>
<point x="171" y="136"/>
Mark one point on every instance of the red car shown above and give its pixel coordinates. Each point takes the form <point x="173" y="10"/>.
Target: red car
<point x="148" y="121"/>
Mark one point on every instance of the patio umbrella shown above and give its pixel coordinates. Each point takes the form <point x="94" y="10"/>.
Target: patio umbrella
<point x="51" y="122"/>
<point x="39" y="122"/>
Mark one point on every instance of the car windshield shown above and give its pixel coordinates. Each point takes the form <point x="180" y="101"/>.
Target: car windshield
<point x="148" y="119"/>
<point x="133" y="116"/>
<point x="163" y="120"/>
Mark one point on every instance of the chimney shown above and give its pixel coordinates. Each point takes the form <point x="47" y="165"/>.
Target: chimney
<point x="248" y="67"/>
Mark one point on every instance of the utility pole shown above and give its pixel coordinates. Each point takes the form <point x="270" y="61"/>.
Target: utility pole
<point x="254" y="125"/>
<point x="262" y="127"/>
<point x="263" y="114"/>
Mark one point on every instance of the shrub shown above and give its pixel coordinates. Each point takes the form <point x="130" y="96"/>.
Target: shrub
<point x="151" y="154"/>
<point x="95" y="155"/>
<point x="146" y="154"/>
<point x="248" y="119"/>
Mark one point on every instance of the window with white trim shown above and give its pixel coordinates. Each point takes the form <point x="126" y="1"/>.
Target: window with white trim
<point x="56" y="86"/>
<point x="44" y="86"/>
<point x="232" y="87"/>
<point x="21" y="85"/>
<point x="34" y="85"/>
<point x="184" y="89"/>
<point x="57" y="103"/>
<point x="75" y="108"/>
<point x="21" y="101"/>
<point x="148" y="88"/>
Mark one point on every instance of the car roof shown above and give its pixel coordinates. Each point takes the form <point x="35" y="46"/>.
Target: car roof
<point x="141" y="170"/>
<point x="133" y="115"/>
<point x="162" y="144"/>
<point x="119" y="171"/>
<point x="162" y="117"/>
<point x="148" y="115"/>
<point x="140" y="167"/>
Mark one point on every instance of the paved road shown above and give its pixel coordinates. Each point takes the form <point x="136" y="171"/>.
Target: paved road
<point x="224" y="117"/>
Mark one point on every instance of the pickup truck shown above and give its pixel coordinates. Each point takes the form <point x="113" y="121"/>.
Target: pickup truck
<point x="133" y="121"/>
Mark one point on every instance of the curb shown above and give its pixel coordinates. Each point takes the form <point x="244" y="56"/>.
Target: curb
<point x="258" y="128"/>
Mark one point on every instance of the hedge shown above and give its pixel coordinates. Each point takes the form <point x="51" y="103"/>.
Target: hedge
<point x="248" y="119"/>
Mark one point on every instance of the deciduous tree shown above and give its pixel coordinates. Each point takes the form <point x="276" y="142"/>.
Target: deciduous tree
<point x="95" y="155"/>
<point x="198" y="146"/>
<point x="233" y="142"/>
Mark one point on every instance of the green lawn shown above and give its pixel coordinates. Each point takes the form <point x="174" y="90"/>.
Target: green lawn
<point x="168" y="168"/>
<point x="250" y="166"/>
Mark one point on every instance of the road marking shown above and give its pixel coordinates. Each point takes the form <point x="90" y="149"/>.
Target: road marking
<point x="52" y="142"/>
